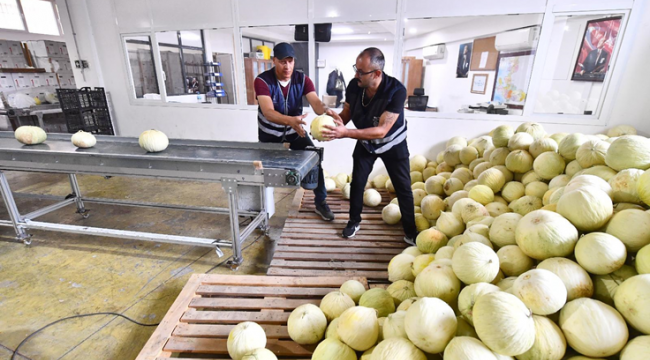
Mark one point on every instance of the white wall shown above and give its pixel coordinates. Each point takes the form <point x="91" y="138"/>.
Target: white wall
<point x="343" y="55"/>
<point x="24" y="36"/>
<point x="426" y="135"/>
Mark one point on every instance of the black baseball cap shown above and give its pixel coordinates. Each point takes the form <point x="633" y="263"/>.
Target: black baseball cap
<point x="283" y="50"/>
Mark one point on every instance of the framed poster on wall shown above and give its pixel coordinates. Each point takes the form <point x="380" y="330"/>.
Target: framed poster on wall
<point x="464" y="59"/>
<point x="596" y="49"/>
<point x="479" y="83"/>
<point x="512" y="78"/>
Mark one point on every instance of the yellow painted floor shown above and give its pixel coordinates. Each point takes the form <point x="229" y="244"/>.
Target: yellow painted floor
<point x="60" y="275"/>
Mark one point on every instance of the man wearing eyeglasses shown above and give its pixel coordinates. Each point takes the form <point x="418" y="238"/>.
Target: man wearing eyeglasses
<point x="279" y="93"/>
<point x="374" y="102"/>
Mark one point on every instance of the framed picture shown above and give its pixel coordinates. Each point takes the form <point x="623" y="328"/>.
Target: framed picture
<point x="512" y="78"/>
<point x="479" y="83"/>
<point x="596" y="49"/>
<point x="464" y="60"/>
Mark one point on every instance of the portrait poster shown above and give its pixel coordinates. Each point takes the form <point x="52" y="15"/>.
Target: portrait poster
<point x="513" y="77"/>
<point x="464" y="60"/>
<point x="597" y="47"/>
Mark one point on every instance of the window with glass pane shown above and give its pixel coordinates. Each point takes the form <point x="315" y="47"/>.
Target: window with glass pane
<point x="221" y="81"/>
<point x="10" y="17"/>
<point x="143" y="71"/>
<point x="577" y="64"/>
<point x="260" y="57"/>
<point x="335" y="58"/>
<point x="182" y="58"/>
<point x="40" y="16"/>
<point x="466" y="64"/>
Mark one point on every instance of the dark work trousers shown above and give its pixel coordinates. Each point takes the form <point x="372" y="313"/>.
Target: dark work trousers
<point x="300" y="144"/>
<point x="400" y="174"/>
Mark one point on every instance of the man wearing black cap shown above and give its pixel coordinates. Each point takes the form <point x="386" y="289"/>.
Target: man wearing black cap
<point x="374" y="102"/>
<point x="279" y="93"/>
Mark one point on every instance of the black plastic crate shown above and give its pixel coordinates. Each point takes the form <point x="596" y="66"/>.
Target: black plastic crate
<point x="97" y="98"/>
<point x="73" y="100"/>
<point x="103" y="122"/>
<point x="81" y="121"/>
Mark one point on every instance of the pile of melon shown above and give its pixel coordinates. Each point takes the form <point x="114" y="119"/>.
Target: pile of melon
<point x="540" y="244"/>
<point x="531" y="247"/>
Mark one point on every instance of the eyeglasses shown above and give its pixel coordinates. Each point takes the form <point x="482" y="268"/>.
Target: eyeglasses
<point x="361" y="73"/>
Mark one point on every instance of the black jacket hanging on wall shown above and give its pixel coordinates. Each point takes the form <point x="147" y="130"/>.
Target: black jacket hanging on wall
<point x="336" y="85"/>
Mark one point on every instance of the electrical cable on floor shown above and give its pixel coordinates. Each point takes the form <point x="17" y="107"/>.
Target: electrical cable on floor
<point x="75" y="317"/>
<point x="118" y="314"/>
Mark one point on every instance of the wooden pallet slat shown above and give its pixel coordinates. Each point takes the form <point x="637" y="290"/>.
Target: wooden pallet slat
<point x="222" y="331"/>
<point x="337" y="250"/>
<point x="210" y="306"/>
<point x="249" y="304"/>
<point x="282" y="255"/>
<point x="260" y="291"/>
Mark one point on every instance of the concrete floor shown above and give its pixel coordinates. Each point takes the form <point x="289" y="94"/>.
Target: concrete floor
<point x="60" y="275"/>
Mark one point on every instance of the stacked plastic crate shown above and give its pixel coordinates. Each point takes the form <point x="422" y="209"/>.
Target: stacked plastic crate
<point x="86" y="109"/>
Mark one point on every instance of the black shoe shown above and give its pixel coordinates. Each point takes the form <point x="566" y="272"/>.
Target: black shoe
<point x="351" y="229"/>
<point x="409" y="240"/>
<point x="324" y="211"/>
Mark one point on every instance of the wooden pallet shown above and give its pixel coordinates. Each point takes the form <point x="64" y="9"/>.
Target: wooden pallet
<point x="309" y="246"/>
<point x="209" y="306"/>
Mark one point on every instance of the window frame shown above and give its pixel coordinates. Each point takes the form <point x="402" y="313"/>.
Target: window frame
<point x="630" y="9"/>
<point x="23" y="18"/>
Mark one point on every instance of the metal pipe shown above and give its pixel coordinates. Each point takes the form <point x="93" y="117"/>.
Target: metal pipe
<point x="206" y="209"/>
<point x="74" y="38"/>
<point x="252" y="226"/>
<point x="76" y="191"/>
<point x="124" y="234"/>
<point x="233" y="204"/>
<point x="48" y="209"/>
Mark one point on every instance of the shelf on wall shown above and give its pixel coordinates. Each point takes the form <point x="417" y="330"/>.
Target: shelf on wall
<point x="30" y="71"/>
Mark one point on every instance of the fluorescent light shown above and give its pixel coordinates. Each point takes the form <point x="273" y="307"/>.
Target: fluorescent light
<point x="413" y="30"/>
<point x="368" y="32"/>
<point x="406" y="20"/>
<point x="341" y="30"/>
<point x="332" y="13"/>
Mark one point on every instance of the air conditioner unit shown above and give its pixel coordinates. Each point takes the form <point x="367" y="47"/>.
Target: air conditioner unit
<point x="517" y="40"/>
<point x="434" y="52"/>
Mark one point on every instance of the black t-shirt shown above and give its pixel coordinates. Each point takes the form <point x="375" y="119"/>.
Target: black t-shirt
<point x="390" y="97"/>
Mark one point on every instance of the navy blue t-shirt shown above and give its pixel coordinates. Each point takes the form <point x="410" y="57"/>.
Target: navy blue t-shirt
<point x="390" y="97"/>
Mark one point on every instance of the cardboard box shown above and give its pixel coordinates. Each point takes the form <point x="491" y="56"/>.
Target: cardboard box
<point x="66" y="81"/>
<point x="19" y="62"/>
<point x="15" y="48"/>
<point x="21" y="81"/>
<point x="49" y="79"/>
<point x="6" y="82"/>
<point x="4" y="47"/>
<point x="6" y="63"/>
<point x="37" y="80"/>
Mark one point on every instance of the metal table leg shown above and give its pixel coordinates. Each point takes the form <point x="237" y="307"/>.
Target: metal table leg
<point x="76" y="194"/>
<point x="264" y="226"/>
<point x="230" y="186"/>
<point x="12" y="209"/>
